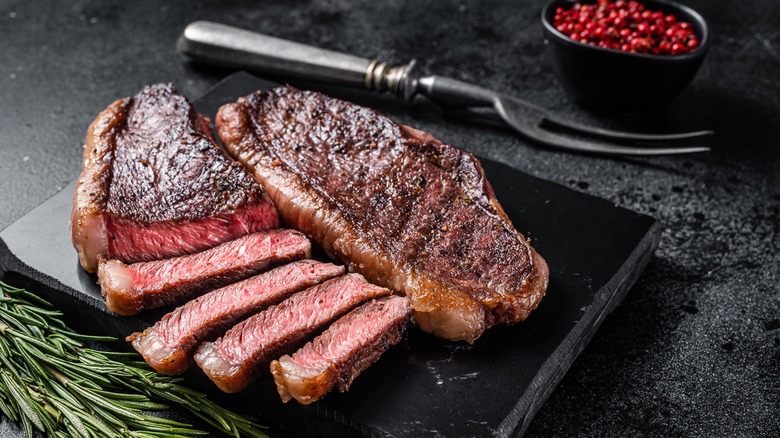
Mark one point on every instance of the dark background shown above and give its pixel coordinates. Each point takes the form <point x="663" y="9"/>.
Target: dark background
<point x="694" y="350"/>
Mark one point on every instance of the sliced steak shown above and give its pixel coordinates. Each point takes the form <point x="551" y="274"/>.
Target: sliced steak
<point x="168" y="346"/>
<point x="129" y="289"/>
<point x="400" y="207"/>
<point x="343" y="351"/>
<point x="154" y="184"/>
<point x="233" y="361"/>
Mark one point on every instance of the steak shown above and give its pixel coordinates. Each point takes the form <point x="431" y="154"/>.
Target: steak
<point x="343" y="351"/>
<point x="168" y="346"/>
<point x="129" y="289"/>
<point x="233" y="361"/>
<point x="395" y="204"/>
<point x="154" y="184"/>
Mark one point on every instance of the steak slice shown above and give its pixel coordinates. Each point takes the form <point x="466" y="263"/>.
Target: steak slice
<point x="343" y="351"/>
<point x="168" y="346"/>
<point x="154" y="184"/>
<point x="395" y="204"/>
<point x="129" y="289"/>
<point x="233" y="361"/>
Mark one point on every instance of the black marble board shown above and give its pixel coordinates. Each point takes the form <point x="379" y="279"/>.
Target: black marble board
<point x="424" y="386"/>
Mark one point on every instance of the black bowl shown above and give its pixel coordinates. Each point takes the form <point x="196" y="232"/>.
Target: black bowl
<point x="618" y="81"/>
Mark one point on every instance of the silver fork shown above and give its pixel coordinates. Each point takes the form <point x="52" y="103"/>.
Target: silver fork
<point x="471" y="101"/>
<point x="231" y="46"/>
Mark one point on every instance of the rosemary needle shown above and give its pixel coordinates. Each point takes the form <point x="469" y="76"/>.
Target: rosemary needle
<point x="52" y="383"/>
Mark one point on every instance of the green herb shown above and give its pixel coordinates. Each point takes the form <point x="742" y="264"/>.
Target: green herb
<point x="51" y="382"/>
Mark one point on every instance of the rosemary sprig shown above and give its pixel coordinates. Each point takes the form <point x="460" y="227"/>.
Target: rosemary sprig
<point x="52" y="383"/>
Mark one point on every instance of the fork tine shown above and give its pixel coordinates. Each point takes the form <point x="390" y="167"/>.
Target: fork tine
<point x="619" y="135"/>
<point x="528" y="121"/>
<point x="489" y="115"/>
<point x="558" y="141"/>
<point x="555" y="140"/>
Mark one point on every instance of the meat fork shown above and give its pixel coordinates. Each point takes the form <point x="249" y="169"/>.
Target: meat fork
<point x="231" y="46"/>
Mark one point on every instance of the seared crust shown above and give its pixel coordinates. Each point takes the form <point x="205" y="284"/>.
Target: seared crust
<point x="169" y="345"/>
<point x="167" y="167"/>
<point x="129" y="290"/>
<point x="347" y="348"/>
<point x="405" y="210"/>
<point x="88" y="225"/>
<point x="234" y="361"/>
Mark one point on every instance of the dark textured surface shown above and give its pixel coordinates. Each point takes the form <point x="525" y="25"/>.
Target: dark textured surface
<point x="692" y="351"/>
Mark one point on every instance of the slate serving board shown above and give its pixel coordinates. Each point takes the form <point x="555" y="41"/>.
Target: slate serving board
<point x="423" y="386"/>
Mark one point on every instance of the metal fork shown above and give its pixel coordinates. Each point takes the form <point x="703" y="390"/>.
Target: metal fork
<point x="227" y="45"/>
<point x="469" y="101"/>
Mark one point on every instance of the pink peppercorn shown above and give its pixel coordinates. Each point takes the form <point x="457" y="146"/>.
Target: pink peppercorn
<point x="627" y="26"/>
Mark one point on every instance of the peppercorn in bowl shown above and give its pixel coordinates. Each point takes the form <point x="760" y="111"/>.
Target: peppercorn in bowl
<point x="619" y="56"/>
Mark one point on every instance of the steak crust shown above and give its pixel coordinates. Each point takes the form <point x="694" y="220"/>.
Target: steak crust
<point x="343" y="351"/>
<point x="154" y="184"/>
<point x="233" y="361"/>
<point x="168" y="346"/>
<point x="396" y="205"/>
<point x="130" y="289"/>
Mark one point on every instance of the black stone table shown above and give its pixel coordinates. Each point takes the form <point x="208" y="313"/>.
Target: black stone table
<point x="694" y="350"/>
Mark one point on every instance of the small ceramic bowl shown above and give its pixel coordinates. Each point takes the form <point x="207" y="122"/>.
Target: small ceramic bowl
<point x="617" y="81"/>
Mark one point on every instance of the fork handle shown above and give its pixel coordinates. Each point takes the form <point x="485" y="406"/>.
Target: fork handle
<point x="230" y="46"/>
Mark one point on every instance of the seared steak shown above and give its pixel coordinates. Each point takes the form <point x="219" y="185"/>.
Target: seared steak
<point x="400" y="207"/>
<point x="233" y="361"/>
<point x="154" y="184"/>
<point x="343" y="351"/>
<point x="168" y="346"/>
<point x="129" y="289"/>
